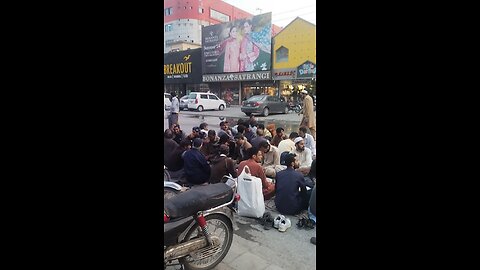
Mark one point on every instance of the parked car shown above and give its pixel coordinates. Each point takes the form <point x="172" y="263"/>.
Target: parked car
<point x="205" y="101"/>
<point x="264" y="104"/>
<point x="184" y="103"/>
<point x="167" y="101"/>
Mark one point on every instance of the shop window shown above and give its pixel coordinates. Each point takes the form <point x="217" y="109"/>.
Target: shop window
<point x="282" y="55"/>
<point x="168" y="11"/>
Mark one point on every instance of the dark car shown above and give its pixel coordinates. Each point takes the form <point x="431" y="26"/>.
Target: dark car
<point x="264" y="104"/>
<point x="184" y="103"/>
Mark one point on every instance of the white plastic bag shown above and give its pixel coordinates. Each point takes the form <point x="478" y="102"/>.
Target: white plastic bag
<point x="251" y="202"/>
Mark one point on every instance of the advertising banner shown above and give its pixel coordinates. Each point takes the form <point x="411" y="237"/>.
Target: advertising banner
<point x="284" y="74"/>
<point x="183" y="67"/>
<point x="307" y="70"/>
<point x="238" y="46"/>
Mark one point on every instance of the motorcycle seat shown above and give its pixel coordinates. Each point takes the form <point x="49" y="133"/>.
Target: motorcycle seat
<point x="197" y="199"/>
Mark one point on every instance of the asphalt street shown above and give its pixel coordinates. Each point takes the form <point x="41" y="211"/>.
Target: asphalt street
<point x="189" y="119"/>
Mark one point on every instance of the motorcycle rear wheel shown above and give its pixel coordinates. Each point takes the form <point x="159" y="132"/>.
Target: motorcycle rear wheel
<point x="219" y="226"/>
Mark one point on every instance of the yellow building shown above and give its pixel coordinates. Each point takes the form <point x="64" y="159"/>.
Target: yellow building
<point x="294" y="58"/>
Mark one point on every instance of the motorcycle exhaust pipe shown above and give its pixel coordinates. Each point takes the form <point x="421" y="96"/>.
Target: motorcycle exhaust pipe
<point x="183" y="249"/>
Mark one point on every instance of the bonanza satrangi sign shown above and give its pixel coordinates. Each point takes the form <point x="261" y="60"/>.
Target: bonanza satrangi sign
<point x="183" y="67"/>
<point x="238" y="77"/>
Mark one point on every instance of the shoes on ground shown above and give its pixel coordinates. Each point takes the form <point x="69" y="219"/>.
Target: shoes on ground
<point x="266" y="221"/>
<point x="284" y="225"/>
<point x="306" y="223"/>
<point x="277" y="220"/>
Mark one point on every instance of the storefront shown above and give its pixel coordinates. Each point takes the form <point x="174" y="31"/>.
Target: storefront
<point x="236" y="87"/>
<point x="292" y="81"/>
<point x="294" y="58"/>
<point x="182" y="72"/>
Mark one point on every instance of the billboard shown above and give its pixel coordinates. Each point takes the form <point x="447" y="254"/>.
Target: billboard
<point x="238" y="46"/>
<point x="183" y="67"/>
<point x="307" y="70"/>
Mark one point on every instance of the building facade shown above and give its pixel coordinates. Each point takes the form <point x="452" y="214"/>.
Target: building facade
<point x="183" y="21"/>
<point x="182" y="72"/>
<point x="294" y="59"/>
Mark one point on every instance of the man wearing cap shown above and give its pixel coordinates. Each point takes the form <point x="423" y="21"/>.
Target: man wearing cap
<point x="290" y="188"/>
<point x="308" y="119"/>
<point x="303" y="154"/>
<point x="196" y="168"/>
<point x="174" y="110"/>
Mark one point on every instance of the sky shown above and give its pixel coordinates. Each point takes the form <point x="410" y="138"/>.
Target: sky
<point x="283" y="11"/>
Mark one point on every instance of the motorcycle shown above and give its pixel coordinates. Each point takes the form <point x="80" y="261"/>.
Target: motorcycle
<point x="198" y="226"/>
<point x="172" y="187"/>
<point x="296" y="108"/>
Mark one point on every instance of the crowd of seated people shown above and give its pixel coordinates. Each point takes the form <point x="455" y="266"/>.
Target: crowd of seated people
<point x="282" y="161"/>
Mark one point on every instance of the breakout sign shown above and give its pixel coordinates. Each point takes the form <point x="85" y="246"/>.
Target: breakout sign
<point x="238" y="46"/>
<point x="182" y="67"/>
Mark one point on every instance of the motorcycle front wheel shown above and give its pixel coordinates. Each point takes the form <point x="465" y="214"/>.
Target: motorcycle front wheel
<point x="217" y="225"/>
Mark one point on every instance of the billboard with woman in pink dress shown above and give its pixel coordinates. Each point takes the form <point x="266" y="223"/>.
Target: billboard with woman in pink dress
<point x="239" y="46"/>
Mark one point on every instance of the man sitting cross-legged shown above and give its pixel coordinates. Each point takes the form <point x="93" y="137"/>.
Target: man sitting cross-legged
<point x="253" y="163"/>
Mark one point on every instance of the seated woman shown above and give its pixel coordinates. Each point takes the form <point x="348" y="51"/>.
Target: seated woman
<point x="222" y="165"/>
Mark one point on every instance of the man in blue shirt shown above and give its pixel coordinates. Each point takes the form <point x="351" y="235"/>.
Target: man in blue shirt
<point x="291" y="194"/>
<point x="197" y="170"/>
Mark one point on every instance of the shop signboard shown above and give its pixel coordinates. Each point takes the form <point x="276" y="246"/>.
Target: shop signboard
<point x="284" y="74"/>
<point x="238" y="77"/>
<point x="183" y="67"/>
<point x="307" y="70"/>
<point x="239" y="46"/>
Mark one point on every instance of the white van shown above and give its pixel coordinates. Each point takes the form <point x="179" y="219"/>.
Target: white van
<point x="167" y="101"/>
<point x="205" y="101"/>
